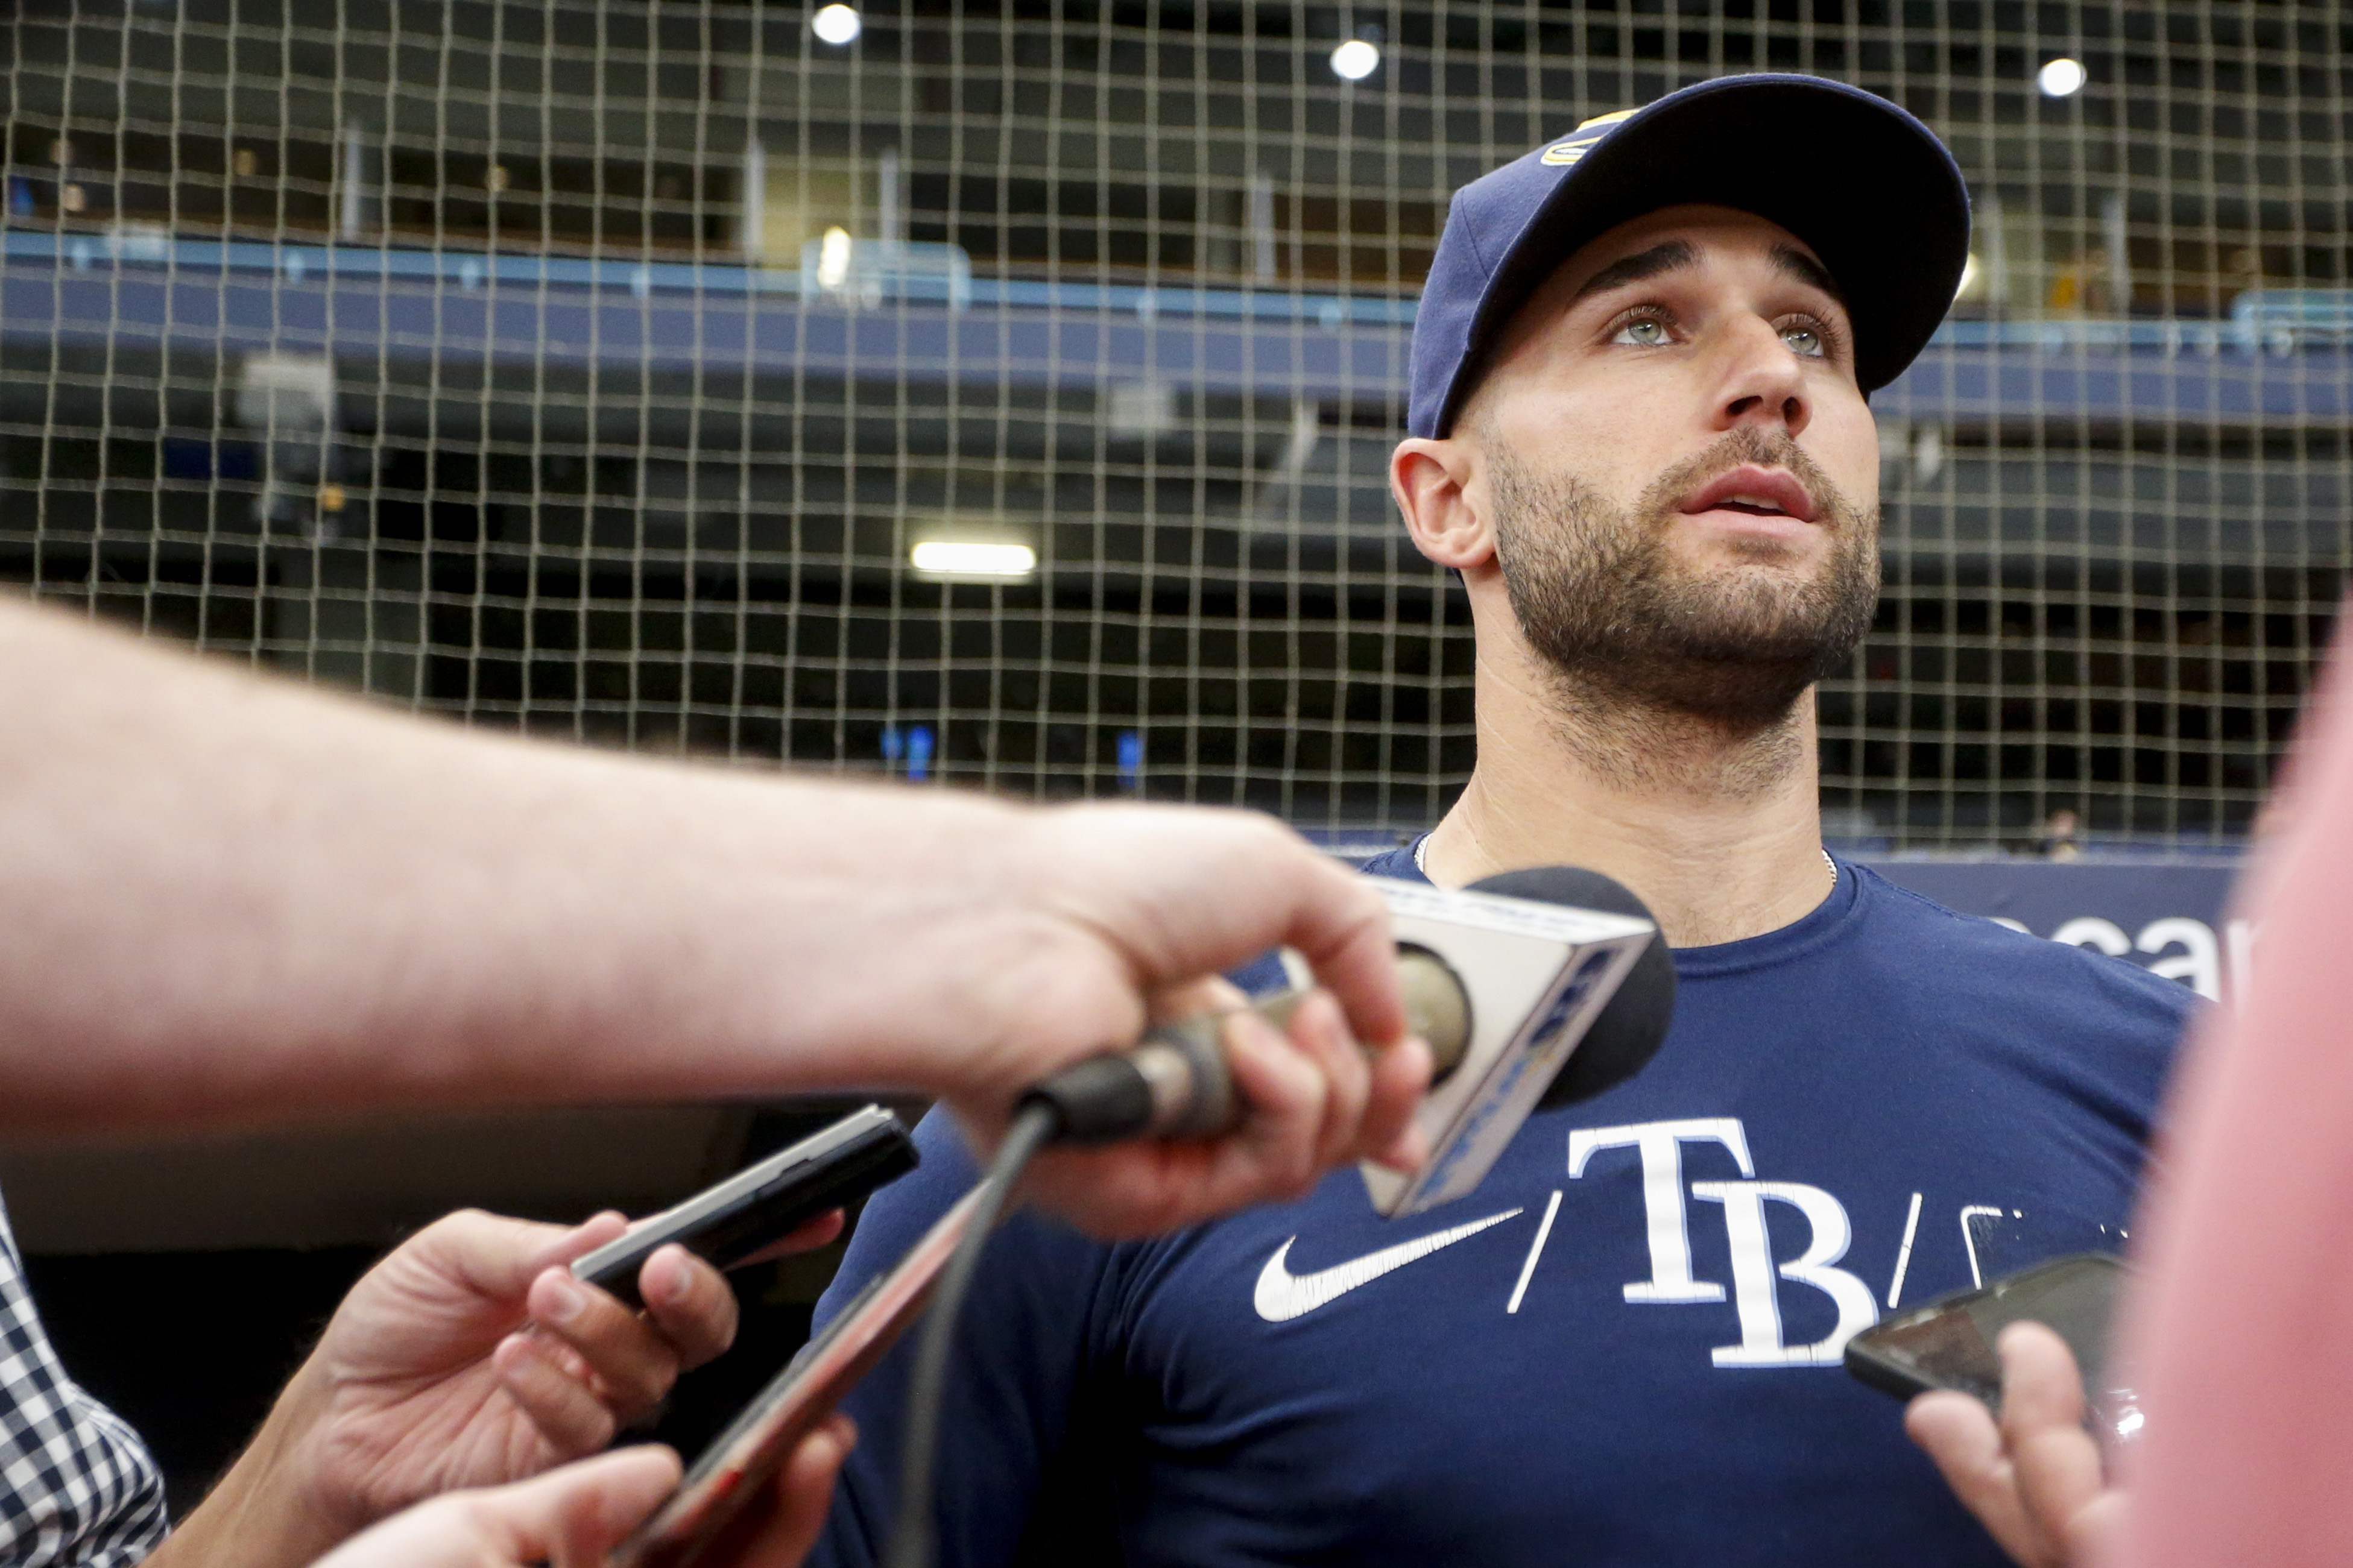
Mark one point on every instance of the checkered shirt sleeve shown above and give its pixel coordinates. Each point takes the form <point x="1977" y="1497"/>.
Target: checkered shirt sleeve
<point x="75" y="1483"/>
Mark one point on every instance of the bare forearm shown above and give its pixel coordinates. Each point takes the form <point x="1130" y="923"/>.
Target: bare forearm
<point x="230" y="898"/>
<point x="261" y="1514"/>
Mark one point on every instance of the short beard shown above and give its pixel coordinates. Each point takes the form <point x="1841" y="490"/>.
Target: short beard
<point x="1602" y="598"/>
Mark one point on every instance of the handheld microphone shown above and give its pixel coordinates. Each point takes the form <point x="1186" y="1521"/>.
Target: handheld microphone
<point x="1633" y="1024"/>
<point x="1511" y="982"/>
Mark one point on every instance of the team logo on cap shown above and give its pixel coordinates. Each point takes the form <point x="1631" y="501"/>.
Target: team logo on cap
<point x="1578" y="142"/>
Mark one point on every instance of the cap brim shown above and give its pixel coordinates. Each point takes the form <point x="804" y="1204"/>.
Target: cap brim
<point x="1865" y="185"/>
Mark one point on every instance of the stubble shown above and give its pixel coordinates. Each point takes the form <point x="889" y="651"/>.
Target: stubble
<point x="1642" y="648"/>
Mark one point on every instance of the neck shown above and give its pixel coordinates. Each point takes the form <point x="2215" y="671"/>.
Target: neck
<point x="1718" y="830"/>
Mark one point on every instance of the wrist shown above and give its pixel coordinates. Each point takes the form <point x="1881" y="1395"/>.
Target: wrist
<point x="268" y="1510"/>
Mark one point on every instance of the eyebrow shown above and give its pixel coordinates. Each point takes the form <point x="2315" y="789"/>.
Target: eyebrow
<point x="1796" y="264"/>
<point x="1667" y="256"/>
<point x="1674" y="255"/>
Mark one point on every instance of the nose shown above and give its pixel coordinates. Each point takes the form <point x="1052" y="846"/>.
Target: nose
<point x="1764" y="384"/>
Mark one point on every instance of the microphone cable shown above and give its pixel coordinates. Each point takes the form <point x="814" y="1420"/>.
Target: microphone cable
<point x="1035" y="1123"/>
<point x="1175" y="1082"/>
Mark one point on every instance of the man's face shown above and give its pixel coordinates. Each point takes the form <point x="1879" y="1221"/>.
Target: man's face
<point x="1680" y="473"/>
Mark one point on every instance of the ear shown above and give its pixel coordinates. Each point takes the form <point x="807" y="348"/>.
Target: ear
<point x="1431" y="481"/>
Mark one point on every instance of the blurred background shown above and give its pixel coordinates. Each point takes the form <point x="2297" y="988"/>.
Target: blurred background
<point x="998" y="393"/>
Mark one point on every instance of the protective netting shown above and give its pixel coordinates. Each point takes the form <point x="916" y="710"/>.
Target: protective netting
<point x="603" y="369"/>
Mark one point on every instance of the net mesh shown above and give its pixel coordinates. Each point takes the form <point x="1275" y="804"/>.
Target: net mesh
<point x="599" y="369"/>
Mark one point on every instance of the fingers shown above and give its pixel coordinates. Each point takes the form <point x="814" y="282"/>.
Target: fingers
<point x="570" y="1518"/>
<point x="1961" y="1435"/>
<point x="690" y="1302"/>
<point x="582" y="1512"/>
<point x="2059" y="1471"/>
<point x="1293" y="1094"/>
<point x="595" y="1366"/>
<point x="2035" y="1479"/>
<point x="798" y="1498"/>
<point x="1357" y="1107"/>
<point x="1157" y="1184"/>
<point x="1392" y="1136"/>
<point x="816" y="1233"/>
<point x="1369" y="1114"/>
<point x="551" y="1385"/>
<point x="2040" y="1388"/>
<point x="2097" y="1527"/>
<point x="1180" y="892"/>
<point x="1313" y="1101"/>
<point x="492" y="1256"/>
<point x="1340" y="924"/>
<point x="631" y="1363"/>
<point x="1318" y="1033"/>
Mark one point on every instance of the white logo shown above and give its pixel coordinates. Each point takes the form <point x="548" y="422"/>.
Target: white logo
<point x="1754" y="1283"/>
<point x="1661" y="1146"/>
<point x="1283" y="1295"/>
<point x="1755" y="1276"/>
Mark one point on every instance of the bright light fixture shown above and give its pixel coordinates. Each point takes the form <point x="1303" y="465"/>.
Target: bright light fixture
<point x="1970" y="273"/>
<point x="2061" y="78"/>
<point x="956" y="559"/>
<point x="1356" y="59"/>
<point x="833" y="259"/>
<point x="837" y="23"/>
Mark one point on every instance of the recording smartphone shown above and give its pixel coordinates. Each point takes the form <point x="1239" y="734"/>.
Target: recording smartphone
<point x="704" y="1519"/>
<point x="1949" y="1342"/>
<point x="761" y="1203"/>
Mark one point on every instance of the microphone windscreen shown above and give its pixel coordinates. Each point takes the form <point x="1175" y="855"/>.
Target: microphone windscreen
<point x="1621" y="1041"/>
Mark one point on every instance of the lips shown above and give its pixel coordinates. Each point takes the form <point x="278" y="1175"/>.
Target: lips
<point x="1753" y="491"/>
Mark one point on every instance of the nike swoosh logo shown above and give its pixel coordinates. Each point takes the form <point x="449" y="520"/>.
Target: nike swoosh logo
<point x="1283" y="1295"/>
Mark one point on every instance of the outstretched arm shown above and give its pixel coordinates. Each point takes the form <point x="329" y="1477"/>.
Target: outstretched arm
<point x="230" y="899"/>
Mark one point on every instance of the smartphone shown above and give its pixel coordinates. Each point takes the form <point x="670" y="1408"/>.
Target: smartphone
<point x="1949" y="1342"/>
<point x="761" y="1203"/>
<point x="705" y="1517"/>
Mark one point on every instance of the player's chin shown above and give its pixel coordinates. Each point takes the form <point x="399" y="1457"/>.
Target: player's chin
<point x="1731" y="557"/>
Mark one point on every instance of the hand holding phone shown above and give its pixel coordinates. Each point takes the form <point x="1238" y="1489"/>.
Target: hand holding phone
<point x="1949" y="1342"/>
<point x="730" y="1222"/>
<point x="2036" y="1474"/>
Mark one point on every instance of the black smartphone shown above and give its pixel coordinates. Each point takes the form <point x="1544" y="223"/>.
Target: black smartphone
<point x="1949" y="1342"/>
<point x="761" y="1203"/>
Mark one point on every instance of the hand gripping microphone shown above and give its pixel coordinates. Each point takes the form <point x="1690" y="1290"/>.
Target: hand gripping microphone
<point x="1534" y="988"/>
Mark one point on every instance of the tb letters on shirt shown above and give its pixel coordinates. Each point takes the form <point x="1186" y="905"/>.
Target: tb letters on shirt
<point x="1751" y="1211"/>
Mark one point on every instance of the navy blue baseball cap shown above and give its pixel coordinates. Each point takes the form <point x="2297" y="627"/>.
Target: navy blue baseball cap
<point x="1866" y="186"/>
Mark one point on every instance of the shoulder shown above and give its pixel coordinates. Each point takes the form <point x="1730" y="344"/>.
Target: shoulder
<point x="2052" y="1001"/>
<point x="1902" y="913"/>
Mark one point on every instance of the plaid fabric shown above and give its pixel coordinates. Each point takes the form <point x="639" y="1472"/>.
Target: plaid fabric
<point x="76" y="1484"/>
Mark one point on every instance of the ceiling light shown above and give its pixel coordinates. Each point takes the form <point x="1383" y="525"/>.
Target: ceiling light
<point x="2061" y="78"/>
<point x="965" y="560"/>
<point x="833" y="259"/>
<point x="1354" y="60"/>
<point x="837" y="23"/>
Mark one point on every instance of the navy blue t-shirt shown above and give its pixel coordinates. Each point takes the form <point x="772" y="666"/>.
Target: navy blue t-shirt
<point x="1623" y="1347"/>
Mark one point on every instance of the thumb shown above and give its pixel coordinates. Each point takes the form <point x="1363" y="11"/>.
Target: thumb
<point x="572" y="1517"/>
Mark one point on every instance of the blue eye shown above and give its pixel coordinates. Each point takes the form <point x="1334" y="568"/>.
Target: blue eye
<point x="1645" y="333"/>
<point x="1804" y="342"/>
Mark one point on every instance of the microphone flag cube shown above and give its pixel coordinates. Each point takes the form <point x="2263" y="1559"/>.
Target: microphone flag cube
<point x="1535" y="976"/>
